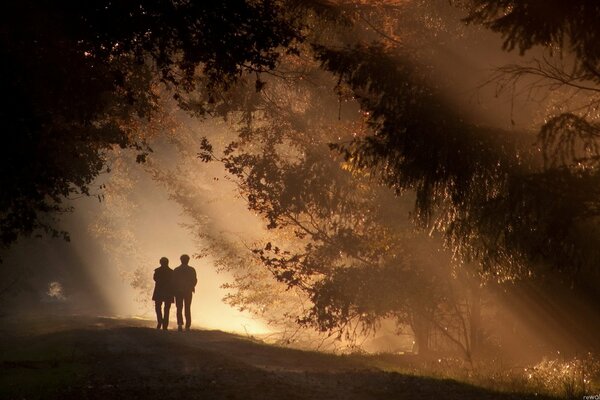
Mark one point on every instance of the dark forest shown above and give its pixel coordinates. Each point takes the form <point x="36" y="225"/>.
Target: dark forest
<point x="381" y="199"/>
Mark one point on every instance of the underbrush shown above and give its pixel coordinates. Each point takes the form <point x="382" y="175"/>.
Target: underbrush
<point x="571" y="378"/>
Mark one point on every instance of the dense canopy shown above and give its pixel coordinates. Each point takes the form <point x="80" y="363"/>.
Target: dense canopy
<point x="82" y="79"/>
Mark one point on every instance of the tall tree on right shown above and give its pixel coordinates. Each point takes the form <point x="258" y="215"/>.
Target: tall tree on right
<point x="497" y="199"/>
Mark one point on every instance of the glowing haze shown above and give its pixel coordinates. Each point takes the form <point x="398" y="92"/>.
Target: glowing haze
<point x="140" y="210"/>
<point x="161" y="209"/>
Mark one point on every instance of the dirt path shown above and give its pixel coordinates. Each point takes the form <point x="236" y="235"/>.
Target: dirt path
<point x="108" y="360"/>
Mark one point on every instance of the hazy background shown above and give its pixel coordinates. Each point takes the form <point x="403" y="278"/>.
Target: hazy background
<point x="116" y="243"/>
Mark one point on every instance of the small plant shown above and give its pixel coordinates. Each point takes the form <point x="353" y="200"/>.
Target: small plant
<point x="572" y="378"/>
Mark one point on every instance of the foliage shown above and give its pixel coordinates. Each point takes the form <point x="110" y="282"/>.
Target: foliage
<point x="338" y="236"/>
<point x="570" y="378"/>
<point x="114" y="225"/>
<point x="495" y="200"/>
<point x="120" y="51"/>
<point x="554" y="24"/>
<point x="484" y="189"/>
<point x="80" y="75"/>
<point x="566" y="75"/>
<point x="573" y="378"/>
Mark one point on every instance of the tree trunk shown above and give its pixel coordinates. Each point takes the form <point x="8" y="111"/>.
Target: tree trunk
<point x="421" y="329"/>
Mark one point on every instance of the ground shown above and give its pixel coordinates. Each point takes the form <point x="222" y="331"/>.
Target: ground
<point x="102" y="358"/>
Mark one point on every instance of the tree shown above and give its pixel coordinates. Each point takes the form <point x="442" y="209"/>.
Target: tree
<point x="84" y="88"/>
<point x="482" y="188"/>
<point x="80" y="77"/>
<point x="568" y="66"/>
<point x="339" y="237"/>
<point x="524" y="24"/>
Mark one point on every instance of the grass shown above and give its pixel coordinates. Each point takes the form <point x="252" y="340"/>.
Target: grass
<point x="109" y="359"/>
<point x="570" y="378"/>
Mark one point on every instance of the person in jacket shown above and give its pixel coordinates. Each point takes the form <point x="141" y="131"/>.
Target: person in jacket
<point x="184" y="278"/>
<point x="163" y="293"/>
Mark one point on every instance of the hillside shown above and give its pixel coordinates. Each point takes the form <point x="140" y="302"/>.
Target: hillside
<point x="79" y="358"/>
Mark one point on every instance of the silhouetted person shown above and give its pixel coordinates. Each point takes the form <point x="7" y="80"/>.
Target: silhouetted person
<point x="184" y="279"/>
<point x="163" y="293"/>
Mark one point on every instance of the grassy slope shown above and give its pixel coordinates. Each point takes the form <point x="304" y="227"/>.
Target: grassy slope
<point x="106" y="359"/>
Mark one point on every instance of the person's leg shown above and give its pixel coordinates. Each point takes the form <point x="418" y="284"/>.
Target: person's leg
<point x="159" y="318"/>
<point x="188" y="311"/>
<point x="165" y="324"/>
<point x="179" y="305"/>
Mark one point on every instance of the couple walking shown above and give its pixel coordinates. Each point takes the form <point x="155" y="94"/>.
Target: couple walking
<point x="178" y="284"/>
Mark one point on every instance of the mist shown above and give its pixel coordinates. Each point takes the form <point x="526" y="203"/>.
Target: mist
<point x="392" y="187"/>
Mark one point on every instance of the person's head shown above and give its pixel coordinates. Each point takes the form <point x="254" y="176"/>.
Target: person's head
<point x="164" y="262"/>
<point x="185" y="259"/>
